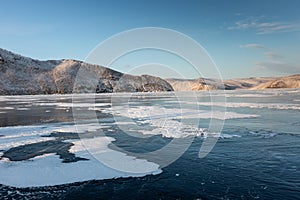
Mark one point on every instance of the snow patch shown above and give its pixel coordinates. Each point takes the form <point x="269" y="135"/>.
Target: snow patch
<point x="22" y="135"/>
<point x="48" y="169"/>
<point x="69" y="105"/>
<point x="23" y="108"/>
<point x="279" y="106"/>
<point x="7" y="108"/>
<point x="157" y="112"/>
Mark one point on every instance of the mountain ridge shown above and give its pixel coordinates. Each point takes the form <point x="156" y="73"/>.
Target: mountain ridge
<point x="23" y="75"/>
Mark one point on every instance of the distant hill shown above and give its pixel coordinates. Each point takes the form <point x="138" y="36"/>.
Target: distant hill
<point x="292" y="81"/>
<point x="23" y="75"/>
<point x="195" y="84"/>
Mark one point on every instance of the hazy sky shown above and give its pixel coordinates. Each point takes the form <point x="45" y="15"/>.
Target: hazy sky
<point x="244" y="38"/>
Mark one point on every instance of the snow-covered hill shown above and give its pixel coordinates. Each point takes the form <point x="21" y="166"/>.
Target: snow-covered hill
<point x="292" y="81"/>
<point x="23" y="75"/>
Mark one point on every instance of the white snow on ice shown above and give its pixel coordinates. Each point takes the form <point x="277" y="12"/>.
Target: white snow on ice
<point x="279" y="106"/>
<point x="21" y="135"/>
<point x="166" y="120"/>
<point x="69" y="105"/>
<point x="49" y="170"/>
<point x="152" y="112"/>
<point x="7" y="108"/>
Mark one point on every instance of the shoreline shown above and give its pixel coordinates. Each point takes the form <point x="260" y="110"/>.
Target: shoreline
<point x="145" y="93"/>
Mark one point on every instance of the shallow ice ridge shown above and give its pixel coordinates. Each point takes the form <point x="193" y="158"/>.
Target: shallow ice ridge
<point x="158" y="112"/>
<point x="171" y="122"/>
<point x="175" y="129"/>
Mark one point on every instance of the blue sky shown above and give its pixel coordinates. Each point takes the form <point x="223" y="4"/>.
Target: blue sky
<point x="244" y="38"/>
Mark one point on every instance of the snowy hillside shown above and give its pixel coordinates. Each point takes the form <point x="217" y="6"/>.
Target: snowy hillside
<point x="23" y="75"/>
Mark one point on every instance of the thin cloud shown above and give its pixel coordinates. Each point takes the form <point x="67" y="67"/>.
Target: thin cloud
<point x="272" y="55"/>
<point x="264" y="27"/>
<point x="278" y="66"/>
<point x="254" y="46"/>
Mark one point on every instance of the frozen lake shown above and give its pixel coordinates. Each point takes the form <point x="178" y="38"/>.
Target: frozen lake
<point x="149" y="143"/>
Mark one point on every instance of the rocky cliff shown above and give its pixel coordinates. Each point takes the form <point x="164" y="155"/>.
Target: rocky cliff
<point x="22" y="75"/>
